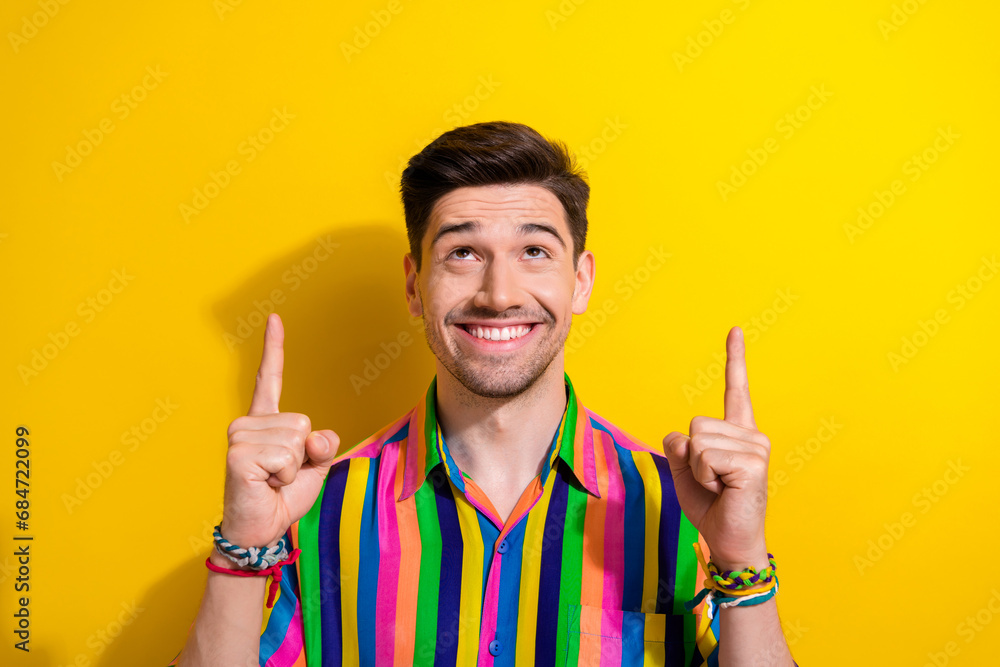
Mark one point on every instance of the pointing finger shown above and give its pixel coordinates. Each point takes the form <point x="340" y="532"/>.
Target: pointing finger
<point x="738" y="409"/>
<point x="267" y="389"/>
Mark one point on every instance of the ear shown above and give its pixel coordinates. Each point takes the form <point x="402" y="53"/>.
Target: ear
<point x="412" y="293"/>
<point x="584" y="285"/>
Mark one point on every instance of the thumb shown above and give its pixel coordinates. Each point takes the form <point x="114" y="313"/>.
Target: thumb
<point x="321" y="448"/>
<point x="676" y="446"/>
<point x="693" y="498"/>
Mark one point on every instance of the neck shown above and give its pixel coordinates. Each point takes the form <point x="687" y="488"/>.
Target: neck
<point x="501" y="442"/>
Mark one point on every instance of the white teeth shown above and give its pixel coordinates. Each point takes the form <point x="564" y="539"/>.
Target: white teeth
<point x="507" y="333"/>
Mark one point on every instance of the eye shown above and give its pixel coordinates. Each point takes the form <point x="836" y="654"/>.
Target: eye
<point x="461" y="250"/>
<point x="539" y="249"/>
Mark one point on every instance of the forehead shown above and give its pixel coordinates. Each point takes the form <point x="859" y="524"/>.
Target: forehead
<point x="497" y="203"/>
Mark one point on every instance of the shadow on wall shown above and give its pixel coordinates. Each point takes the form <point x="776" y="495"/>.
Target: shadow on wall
<point x="354" y="361"/>
<point x="344" y="312"/>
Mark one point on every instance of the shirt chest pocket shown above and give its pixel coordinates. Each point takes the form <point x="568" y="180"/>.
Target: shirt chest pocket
<point x="597" y="637"/>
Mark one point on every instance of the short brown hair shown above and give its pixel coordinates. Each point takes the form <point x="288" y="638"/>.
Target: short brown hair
<point x="492" y="153"/>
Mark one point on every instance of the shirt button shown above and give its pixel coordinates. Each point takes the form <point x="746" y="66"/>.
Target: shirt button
<point x="495" y="647"/>
<point x="502" y="549"/>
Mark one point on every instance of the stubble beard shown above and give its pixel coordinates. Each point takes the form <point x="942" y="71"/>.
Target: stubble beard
<point x="498" y="375"/>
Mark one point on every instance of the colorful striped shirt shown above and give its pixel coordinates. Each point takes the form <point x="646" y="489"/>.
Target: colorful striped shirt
<point x="405" y="561"/>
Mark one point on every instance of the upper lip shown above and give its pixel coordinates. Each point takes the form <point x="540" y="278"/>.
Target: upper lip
<point x="495" y="325"/>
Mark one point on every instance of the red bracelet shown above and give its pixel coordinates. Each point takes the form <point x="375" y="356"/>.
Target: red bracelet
<point x="274" y="570"/>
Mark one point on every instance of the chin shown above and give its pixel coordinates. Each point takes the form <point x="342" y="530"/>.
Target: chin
<point x="498" y="382"/>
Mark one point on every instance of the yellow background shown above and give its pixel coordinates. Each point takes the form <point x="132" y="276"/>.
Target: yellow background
<point x="658" y="134"/>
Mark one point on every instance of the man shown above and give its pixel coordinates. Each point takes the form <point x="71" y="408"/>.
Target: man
<point x="499" y="521"/>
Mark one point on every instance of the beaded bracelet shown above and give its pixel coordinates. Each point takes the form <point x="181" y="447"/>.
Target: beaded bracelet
<point x="255" y="558"/>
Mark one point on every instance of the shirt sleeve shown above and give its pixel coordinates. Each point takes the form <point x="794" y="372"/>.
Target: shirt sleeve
<point x="281" y="637"/>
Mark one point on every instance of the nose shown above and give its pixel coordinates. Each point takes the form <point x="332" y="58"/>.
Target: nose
<point x="499" y="289"/>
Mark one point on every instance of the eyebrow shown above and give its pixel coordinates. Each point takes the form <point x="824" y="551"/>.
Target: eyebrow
<point x="473" y="226"/>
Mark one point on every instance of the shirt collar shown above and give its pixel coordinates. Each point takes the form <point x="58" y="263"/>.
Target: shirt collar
<point x="573" y="443"/>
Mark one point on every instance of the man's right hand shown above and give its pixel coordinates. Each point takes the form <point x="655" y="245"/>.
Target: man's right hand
<point x="276" y="464"/>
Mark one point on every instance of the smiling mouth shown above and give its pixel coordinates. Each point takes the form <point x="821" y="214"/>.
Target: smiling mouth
<point x="498" y="333"/>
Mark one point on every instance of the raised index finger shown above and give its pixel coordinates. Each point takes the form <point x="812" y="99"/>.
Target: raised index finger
<point x="267" y="390"/>
<point x="738" y="409"/>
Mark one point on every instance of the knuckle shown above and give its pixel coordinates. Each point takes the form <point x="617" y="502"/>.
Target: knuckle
<point x="286" y="457"/>
<point x="698" y="442"/>
<point x="293" y="439"/>
<point x="235" y="456"/>
<point x="235" y="426"/>
<point x="758" y="467"/>
<point x="710" y="457"/>
<point x="302" y="423"/>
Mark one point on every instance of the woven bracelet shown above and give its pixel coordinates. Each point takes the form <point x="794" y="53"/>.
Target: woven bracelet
<point x="715" y="600"/>
<point x="734" y="588"/>
<point x="735" y="581"/>
<point x="747" y="600"/>
<point x="739" y="579"/>
<point x="274" y="572"/>
<point x="255" y="558"/>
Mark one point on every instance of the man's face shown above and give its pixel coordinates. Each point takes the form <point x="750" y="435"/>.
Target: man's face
<point x="497" y="262"/>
